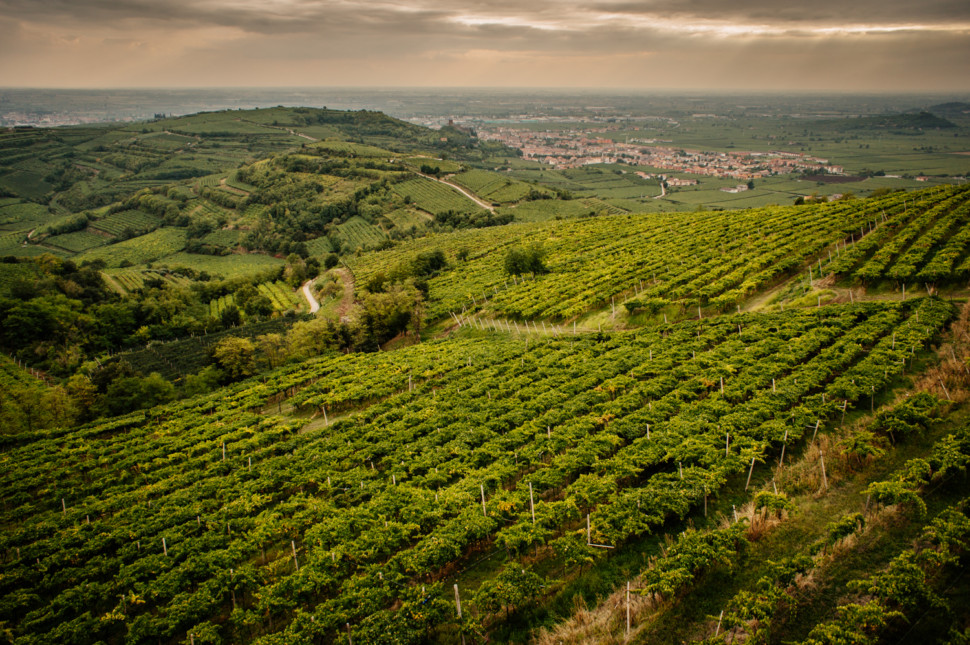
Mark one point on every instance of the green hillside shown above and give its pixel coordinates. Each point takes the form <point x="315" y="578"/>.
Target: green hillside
<point x="302" y="390"/>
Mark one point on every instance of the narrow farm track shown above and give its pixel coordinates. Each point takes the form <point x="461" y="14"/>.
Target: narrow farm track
<point x="347" y="297"/>
<point x="470" y="195"/>
<point x="314" y="305"/>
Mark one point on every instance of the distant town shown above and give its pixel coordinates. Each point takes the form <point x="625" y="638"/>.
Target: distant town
<point x="573" y="148"/>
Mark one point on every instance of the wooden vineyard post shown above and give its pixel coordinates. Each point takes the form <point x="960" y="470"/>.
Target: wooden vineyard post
<point x="293" y="547"/>
<point x="350" y="640"/>
<point x="628" y="609"/>
<point x="250" y="464"/>
<point x="223" y="450"/>
<point x="727" y="444"/>
<point x="784" y="444"/>
<point x="722" y="385"/>
<point x="719" y="619"/>
<point x="750" y="472"/>
<point x="821" y="460"/>
<point x="458" y="608"/>
<point x="814" y="434"/>
<point x="945" y="391"/>
<point x="482" y="488"/>
<point x="532" y="504"/>
<point x="773" y="385"/>
<point x="164" y="547"/>
<point x="63" y="507"/>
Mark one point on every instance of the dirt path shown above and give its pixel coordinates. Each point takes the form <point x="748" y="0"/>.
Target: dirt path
<point x="314" y="305"/>
<point x="347" y="298"/>
<point x="472" y="196"/>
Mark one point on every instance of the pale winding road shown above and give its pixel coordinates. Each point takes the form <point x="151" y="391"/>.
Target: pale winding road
<point x="314" y="305"/>
<point x="472" y="196"/>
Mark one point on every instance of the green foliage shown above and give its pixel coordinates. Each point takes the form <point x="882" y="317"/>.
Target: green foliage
<point x="690" y="555"/>
<point x="909" y="417"/>
<point x="514" y="587"/>
<point x="526" y="260"/>
<point x="236" y="357"/>
<point x="843" y="527"/>
<point x="856" y="625"/>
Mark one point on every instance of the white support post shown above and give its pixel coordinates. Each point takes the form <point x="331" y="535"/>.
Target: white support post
<point x="532" y="504"/>
<point x="750" y="471"/>
<point x="482" y="488"/>
<point x="628" y="609"/>
<point x="784" y="444"/>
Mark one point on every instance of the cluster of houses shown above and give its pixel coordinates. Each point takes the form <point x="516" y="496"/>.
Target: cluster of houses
<point x="575" y="148"/>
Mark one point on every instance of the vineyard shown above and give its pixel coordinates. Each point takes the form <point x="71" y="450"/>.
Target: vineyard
<point x="359" y="233"/>
<point x="179" y="358"/>
<point x="595" y="424"/>
<point x="225" y="266"/>
<point x="130" y="222"/>
<point x="279" y="293"/>
<point x="435" y="197"/>
<point x="78" y="241"/>
<point x="712" y="260"/>
<point x="132" y="279"/>
<point x="915" y="242"/>
<point x="496" y="188"/>
<point x="207" y="508"/>
<point x="139" y="250"/>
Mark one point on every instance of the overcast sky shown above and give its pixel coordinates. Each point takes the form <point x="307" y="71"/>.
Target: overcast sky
<point x="843" y="45"/>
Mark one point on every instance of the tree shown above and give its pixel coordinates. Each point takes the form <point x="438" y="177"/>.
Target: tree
<point x="229" y="317"/>
<point x="236" y="357"/>
<point x="259" y="307"/>
<point x="520" y="260"/>
<point x="272" y="348"/>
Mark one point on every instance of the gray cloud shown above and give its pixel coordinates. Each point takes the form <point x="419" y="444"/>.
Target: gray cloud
<point x="688" y="43"/>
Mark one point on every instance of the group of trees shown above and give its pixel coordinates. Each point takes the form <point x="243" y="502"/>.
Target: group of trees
<point x="520" y="260"/>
